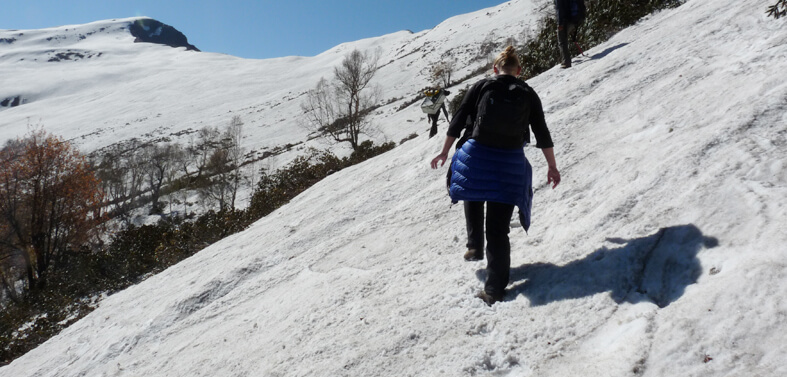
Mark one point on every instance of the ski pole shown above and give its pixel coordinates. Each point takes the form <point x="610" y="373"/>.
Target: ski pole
<point x="580" y="49"/>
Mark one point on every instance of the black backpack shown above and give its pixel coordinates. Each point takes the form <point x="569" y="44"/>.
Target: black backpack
<point x="503" y="110"/>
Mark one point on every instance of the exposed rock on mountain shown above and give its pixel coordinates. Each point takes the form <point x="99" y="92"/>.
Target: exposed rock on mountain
<point x="152" y="31"/>
<point x="11" y="101"/>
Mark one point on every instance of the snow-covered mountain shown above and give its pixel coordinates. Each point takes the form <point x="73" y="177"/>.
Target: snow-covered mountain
<point x="660" y="254"/>
<point x="92" y="84"/>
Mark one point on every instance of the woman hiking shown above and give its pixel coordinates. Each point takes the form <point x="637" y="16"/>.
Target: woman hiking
<point x="489" y="165"/>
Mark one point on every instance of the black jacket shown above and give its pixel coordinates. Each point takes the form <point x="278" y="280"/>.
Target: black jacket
<point x="464" y="118"/>
<point x="570" y="11"/>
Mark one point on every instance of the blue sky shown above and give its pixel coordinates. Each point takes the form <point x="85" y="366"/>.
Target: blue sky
<point x="251" y="29"/>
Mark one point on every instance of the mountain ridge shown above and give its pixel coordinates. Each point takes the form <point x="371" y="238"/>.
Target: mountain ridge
<point x="266" y="92"/>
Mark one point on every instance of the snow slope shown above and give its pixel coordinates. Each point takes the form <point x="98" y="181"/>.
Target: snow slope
<point x="118" y="90"/>
<point x="660" y="254"/>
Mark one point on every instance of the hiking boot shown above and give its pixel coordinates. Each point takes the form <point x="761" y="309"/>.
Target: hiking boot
<point x="566" y="64"/>
<point x="490" y="299"/>
<point x="473" y="255"/>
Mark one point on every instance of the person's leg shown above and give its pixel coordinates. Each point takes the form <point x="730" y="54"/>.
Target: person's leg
<point x="571" y="31"/>
<point x="571" y="38"/>
<point x="433" y="118"/>
<point x="562" y="41"/>
<point x="474" y="219"/>
<point x="498" y="248"/>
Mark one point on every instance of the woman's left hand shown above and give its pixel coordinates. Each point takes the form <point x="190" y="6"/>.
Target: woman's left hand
<point x="553" y="176"/>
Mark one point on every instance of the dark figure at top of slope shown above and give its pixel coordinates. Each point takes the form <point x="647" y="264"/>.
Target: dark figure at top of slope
<point x="570" y="15"/>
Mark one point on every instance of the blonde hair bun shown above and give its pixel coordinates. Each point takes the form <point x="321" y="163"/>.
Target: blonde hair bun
<point x="507" y="59"/>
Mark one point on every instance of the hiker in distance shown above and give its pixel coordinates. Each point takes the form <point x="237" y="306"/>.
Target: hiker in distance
<point x="433" y="103"/>
<point x="489" y="165"/>
<point x="570" y="14"/>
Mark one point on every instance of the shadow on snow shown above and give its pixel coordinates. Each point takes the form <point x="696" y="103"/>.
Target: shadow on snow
<point x="657" y="268"/>
<point x="607" y="51"/>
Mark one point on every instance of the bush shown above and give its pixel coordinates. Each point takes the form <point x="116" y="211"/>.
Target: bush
<point x="180" y="241"/>
<point x="541" y="53"/>
<point x="408" y="138"/>
<point x="606" y="18"/>
<point x="277" y="189"/>
<point x="70" y="293"/>
<point x="132" y="253"/>
<point x="454" y="103"/>
<point x="23" y="326"/>
<point x="778" y="10"/>
<point x="367" y="150"/>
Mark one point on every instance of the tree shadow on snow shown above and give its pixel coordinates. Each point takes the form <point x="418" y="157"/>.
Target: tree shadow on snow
<point x="657" y="268"/>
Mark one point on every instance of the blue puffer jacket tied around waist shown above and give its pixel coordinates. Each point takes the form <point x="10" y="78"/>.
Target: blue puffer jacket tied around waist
<point x="484" y="174"/>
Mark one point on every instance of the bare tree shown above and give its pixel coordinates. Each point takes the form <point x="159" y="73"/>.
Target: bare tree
<point x="217" y="191"/>
<point x="234" y="137"/>
<point x="9" y="276"/>
<point x="338" y="109"/>
<point x="110" y="171"/>
<point x="121" y="169"/>
<point x="159" y="164"/>
<point x="223" y="165"/>
<point x="134" y="166"/>
<point x="201" y="150"/>
<point x="320" y="107"/>
<point x="442" y="71"/>
<point x="173" y="180"/>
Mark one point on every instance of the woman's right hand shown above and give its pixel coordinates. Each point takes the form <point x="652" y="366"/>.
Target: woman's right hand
<point x="440" y="159"/>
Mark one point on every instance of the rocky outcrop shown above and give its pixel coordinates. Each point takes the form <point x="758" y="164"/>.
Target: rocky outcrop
<point x="152" y="31"/>
<point x="12" y="101"/>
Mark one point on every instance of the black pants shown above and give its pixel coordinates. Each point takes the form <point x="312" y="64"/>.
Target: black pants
<point x="562" y="40"/>
<point x="433" y="118"/>
<point x="498" y="249"/>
